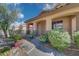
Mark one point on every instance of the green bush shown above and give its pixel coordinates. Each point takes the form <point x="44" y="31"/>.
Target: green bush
<point x="17" y="37"/>
<point x="76" y="38"/>
<point x="11" y="37"/>
<point x="11" y="33"/>
<point x="4" y="49"/>
<point x="59" y="40"/>
<point x="32" y="33"/>
<point x="43" y="38"/>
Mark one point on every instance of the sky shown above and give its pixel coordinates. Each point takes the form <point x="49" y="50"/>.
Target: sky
<point x="29" y="10"/>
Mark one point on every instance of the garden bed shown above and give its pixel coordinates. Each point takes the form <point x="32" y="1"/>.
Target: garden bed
<point x="23" y="49"/>
<point x="72" y="51"/>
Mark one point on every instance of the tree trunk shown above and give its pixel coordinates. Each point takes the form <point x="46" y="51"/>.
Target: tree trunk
<point x="5" y="33"/>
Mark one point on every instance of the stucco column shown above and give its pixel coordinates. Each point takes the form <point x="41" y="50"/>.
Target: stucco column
<point x="77" y="22"/>
<point x="73" y="27"/>
<point x="48" y="24"/>
<point x="73" y="24"/>
<point x="34" y="26"/>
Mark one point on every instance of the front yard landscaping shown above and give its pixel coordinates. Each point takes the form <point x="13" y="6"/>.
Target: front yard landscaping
<point x="52" y="43"/>
<point x="8" y="37"/>
<point x="57" y="41"/>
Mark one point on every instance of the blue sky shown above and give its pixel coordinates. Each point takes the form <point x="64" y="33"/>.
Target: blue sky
<point x="29" y="10"/>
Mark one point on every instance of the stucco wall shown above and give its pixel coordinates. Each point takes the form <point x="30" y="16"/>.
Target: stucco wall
<point x="66" y="23"/>
<point x="48" y="23"/>
<point x="77" y="24"/>
<point x="41" y="27"/>
<point x="73" y="23"/>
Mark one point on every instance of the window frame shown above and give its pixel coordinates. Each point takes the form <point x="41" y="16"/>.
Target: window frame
<point x="56" y="23"/>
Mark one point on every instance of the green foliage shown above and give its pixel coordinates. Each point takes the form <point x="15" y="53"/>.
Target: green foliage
<point x="14" y="36"/>
<point x="76" y="38"/>
<point x="17" y="37"/>
<point x="58" y="29"/>
<point x="7" y="17"/>
<point x="59" y="40"/>
<point x="11" y="37"/>
<point x="4" y="49"/>
<point x="43" y="38"/>
<point x="32" y="34"/>
<point x="11" y="33"/>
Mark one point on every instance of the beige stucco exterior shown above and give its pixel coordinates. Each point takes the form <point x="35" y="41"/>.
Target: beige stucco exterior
<point x="41" y="27"/>
<point x="69" y="14"/>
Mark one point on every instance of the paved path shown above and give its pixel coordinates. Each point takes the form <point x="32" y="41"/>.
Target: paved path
<point x="36" y="52"/>
<point x="31" y="50"/>
<point x="44" y="49"/>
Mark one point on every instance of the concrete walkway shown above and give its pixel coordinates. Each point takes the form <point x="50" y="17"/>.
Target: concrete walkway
<point x="36" y="52"/>
<point x="31" y="50"/>
<point x="41" y="47"/>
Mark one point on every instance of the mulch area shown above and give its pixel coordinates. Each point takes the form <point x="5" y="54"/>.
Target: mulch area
<point x="72" y="51"/>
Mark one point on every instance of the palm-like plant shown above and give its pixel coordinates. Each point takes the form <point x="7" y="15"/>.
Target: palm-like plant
<point x="7" y="17"/>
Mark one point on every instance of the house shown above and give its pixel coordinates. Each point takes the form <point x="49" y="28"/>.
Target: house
<point x="21" y="27"/>
<point x="64" y="16"/>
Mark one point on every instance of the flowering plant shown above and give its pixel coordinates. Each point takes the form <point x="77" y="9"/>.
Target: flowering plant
<point x="44" y="38"/>
<point x="76" y="38"/>
<point x="59" y="40"/>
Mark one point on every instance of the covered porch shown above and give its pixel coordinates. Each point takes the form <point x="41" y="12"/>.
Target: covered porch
<point x="39" y="27"/>
<point x="66" y="17"/>
<point x="66" y="23"/>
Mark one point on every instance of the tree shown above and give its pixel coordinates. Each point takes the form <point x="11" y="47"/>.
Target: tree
<point x="7" y="17"/>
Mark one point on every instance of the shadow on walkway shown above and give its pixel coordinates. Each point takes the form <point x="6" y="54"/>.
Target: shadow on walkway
<point x="39" y="45"/>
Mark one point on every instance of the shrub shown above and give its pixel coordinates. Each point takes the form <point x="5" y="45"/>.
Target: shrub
<point x="43" y="38"/>
<point x="4" y="49"/>
<point x="59" y="40"/>
<point x="17" y="37"/>
<point x="11" y="37"/>
<point x="32" y="34"/>
<point x="11" y="33"/>
<point x="76" y="38"/>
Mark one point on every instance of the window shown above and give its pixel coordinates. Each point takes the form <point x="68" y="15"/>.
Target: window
<point x="57" y="25"/>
